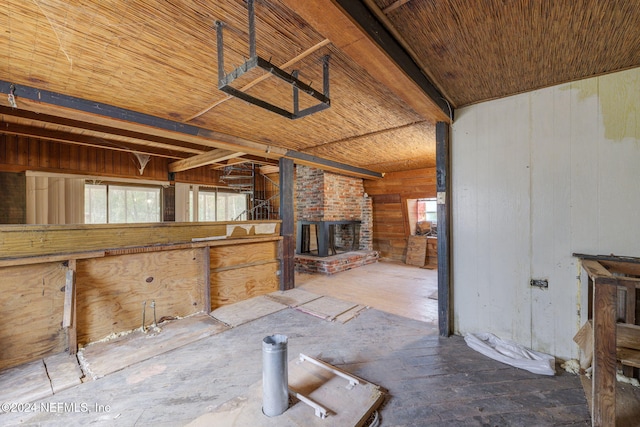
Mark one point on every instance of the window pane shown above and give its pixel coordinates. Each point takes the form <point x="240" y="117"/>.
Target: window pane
<point x="133" y="204"/>
<point x="206" y="206"/>
<point x="231" y="205"/>
<point x="95" y="204"/>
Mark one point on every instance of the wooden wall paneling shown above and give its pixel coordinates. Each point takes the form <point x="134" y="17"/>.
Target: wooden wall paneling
<point x="111" y="290"/>
<point x="99" y="160"/>
<point x="108" y="161"/>
<point x="74" y="157"/>
<point x="54" y="155"/>
<point x="34" y="152"/>
<point x="65" y="153"/>
<point x="23" y="152"/>
<point x="32" y="300"/>
<point x="243" y="271"/>
<point x="43" y="158"/>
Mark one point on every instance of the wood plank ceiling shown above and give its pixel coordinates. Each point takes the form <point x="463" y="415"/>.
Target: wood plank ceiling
<point x="160" y="59"/>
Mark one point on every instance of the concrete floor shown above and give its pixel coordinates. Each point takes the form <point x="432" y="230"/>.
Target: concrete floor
<point x="431" y="381"/>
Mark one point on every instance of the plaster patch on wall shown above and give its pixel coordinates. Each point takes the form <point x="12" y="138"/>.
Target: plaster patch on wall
<point x="617" y="95"/>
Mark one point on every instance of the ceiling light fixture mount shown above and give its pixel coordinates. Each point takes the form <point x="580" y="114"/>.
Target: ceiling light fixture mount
<point x="225" y="80"/>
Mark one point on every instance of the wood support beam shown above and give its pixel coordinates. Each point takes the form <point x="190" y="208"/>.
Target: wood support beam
<point x="213" y="156"/>
<point x="354" y="30"/>
<point x="121" y="120"/>
<point x="444" y="201"/>
<point x="393" y="6"/>
<point x="331" y="166"/>
<point x="88" y="140"/>
<point x="38" y="118"/>
<point x="287" y="259"/>
<point x="604" y="354"/>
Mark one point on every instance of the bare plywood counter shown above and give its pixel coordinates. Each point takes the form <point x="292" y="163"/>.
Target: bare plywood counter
<point x="61" y="286"/>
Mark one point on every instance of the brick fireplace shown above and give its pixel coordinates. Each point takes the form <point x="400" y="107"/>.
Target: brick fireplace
<point x="334" y="222"/>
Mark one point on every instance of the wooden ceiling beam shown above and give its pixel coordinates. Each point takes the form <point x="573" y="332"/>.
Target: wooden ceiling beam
<point x="393" y="6"/>
<point x="213" y="156"/>
<point x="151" y="140"/>
<point x="87" y="140"/>
<point x="353" y="29"/>
<point x="119" y="119"/>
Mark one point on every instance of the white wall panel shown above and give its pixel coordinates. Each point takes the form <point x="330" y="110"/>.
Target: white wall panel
<point x="535" y="178"/>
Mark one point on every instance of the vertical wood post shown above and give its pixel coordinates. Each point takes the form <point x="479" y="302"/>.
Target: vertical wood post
<point x="287" y="261"/>
<point x="604" y="354"/>
<point x="630" y="317"/>
<point x="69" y="313"/>
<point x="207" y="279"/>
<point x="444" y="201"/>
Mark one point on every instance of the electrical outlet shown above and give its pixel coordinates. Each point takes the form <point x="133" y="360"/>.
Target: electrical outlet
<point x="540" y="283"/>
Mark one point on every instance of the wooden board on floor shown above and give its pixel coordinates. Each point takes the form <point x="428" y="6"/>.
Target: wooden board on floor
<point x="25" y="383"/>
<point x="63" y="371"/>
<point x="350" y="314"/>
<point x="347" y="406"/>
<point x="293" y="297"/>
<point x="102" y="358"/>
<point x="247" y="310"/>
<point x="326" y="307"/>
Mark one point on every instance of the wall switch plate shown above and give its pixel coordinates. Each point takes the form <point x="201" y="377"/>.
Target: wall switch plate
<point x="540" y="283"/>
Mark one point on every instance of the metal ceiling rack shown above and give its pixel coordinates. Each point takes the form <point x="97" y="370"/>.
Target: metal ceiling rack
<point x="225" y="80"/>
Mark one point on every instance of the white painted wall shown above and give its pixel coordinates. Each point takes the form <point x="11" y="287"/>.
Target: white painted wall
<point x="535" y="178"/>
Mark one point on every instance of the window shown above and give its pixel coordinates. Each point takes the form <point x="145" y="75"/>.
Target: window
<point x="217" y="205"/>
<point x="113" y="203"/>
<point x="428" y="210"/>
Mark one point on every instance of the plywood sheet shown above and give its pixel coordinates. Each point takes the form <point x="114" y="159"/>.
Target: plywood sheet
<point x="347" y="406"/>
<point x="111" y="290"/>
<point x="102" y="358"/>
<point x="227" y="256"/>
<point x="326" y="307"/>
<point x="237" y="284"/>
<point x="32" y="301"/>
<point x="247" y="310"/>
<point x="293" y="297"/>
<point x="25" y="383"/>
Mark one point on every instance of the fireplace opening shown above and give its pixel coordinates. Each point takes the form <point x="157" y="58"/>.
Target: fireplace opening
<point x="331" y="237"/>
